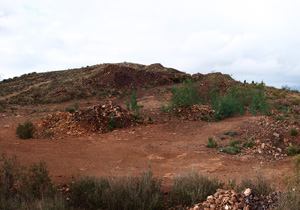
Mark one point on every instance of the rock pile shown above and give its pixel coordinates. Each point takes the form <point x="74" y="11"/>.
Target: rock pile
<point x="248" y="199"/>
<point x="123" y="76"/>
<point x="194" y="112"/>
<point x="99" y="119"/>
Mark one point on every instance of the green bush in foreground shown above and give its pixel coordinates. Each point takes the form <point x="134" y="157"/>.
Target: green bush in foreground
<point x="193" y="189"/>
<point x="25" y="131"/>
<point x="291" y="199"/>
<point x="129" y="193"/>
<point x="26" y="188"/>
<point x="259" y="184"/>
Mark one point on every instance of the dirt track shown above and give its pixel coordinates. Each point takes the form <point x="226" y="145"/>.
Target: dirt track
<point x="170" y="148"/>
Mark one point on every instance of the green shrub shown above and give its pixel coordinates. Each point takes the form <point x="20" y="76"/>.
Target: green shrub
<point x="293" y="131"/>
<point x="226" y="106"/>
<point x="69" y="109"/>
<point x="234" y="143"/>
<point x="291" y="199"/>
<point x="76" y="105"/>
<point x="129" y="193"/>
<point x="259" y="184"/>
<point x="222" y="137"/>
<point x="186" y="95"/>
<point x="211" y="143"/>
<point x="230" y="133"/>
<point x="26" y="188"/>
<point x="192" y="189"/>
<point x="248" y="144"/>
<point x="230" y="150"/>
<point x="128" y="104"/>
<point x="293" y="150"/>
<point x="26" y="130"/>
<point x="112" y="123"/>
<point x="259" y="102"/>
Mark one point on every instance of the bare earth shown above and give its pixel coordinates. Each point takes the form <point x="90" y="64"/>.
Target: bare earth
<point x="170" y="148"/>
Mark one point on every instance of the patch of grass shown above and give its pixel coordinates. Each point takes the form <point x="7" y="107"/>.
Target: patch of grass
<point x="293" y="131"/>
<point x="234" y="143"/>
<point x="293" y="150"/>
<point x="233" y="147"/>
<point x="248" y="144"/>
<point x="260" y="184"/>
<point x="193" y="188"/>
<point x="211" y="143"/>
<point x="69" y="109"/>
<point x="276" y="144"/>
<point x="222" y="137"/>
<point x="26" y="130"/>
<point x="230" y="150"/>
<point x="280" y="118"/>
<point x="230" y="133"/>
<point x="116" y="193"/>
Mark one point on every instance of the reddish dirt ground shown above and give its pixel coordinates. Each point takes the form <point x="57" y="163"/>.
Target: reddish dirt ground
<point x="170" y="148"/>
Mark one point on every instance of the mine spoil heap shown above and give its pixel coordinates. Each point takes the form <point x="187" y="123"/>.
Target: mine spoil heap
<point x="97" y="119"/>
<point x="247" y="200"/>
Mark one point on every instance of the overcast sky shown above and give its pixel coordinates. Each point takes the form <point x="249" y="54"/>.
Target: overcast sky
<point x="253" y="40"/>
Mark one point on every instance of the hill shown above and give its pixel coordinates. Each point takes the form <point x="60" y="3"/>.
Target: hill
<point x="116" y="120"/>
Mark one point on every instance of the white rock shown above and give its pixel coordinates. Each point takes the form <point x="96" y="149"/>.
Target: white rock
<point x="247" y="192"/>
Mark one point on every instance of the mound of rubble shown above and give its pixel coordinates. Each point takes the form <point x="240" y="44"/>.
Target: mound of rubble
<point x="193" y="113"/>
<point x="97" y="119"/>
<point x="248" y="199"/>
<point x="122" y="76"/>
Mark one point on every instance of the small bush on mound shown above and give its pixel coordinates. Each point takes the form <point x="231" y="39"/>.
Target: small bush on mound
<point x="293" y="150"/>
<point x="26" y="130"/>
<point x="211" y="143"/>
<point x="193" y="188"/>
<point x="129" y="193"/>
